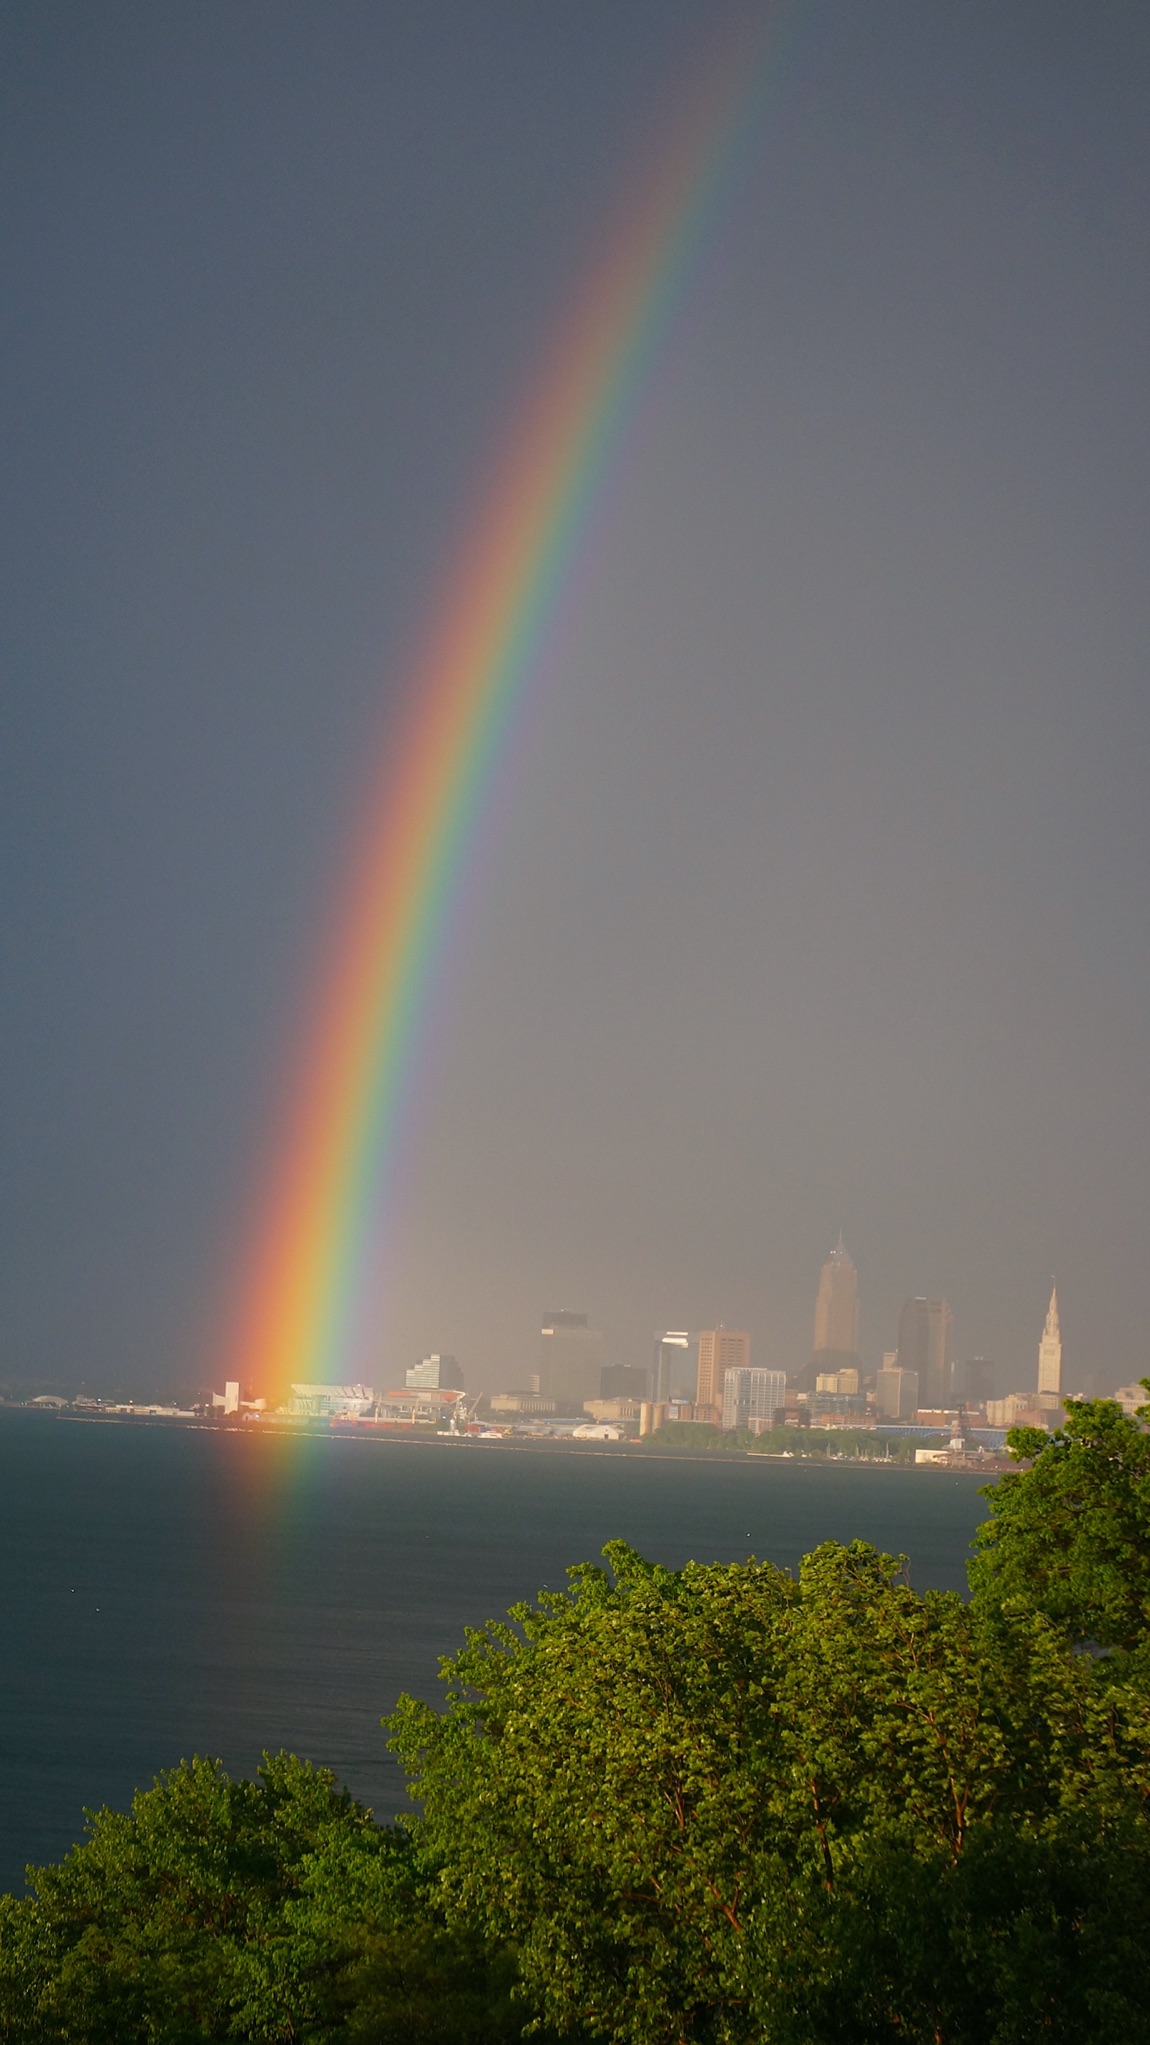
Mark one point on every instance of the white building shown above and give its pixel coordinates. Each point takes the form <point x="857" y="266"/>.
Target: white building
<point x="435" y="1374"/>
<point x="751" y="1398"/>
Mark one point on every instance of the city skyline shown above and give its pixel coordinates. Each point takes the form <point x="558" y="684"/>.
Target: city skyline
<point x="691" y="1361"/>
<point x="804" y="891"/>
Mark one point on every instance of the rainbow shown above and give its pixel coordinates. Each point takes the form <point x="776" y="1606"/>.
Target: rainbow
<point x="303" y="1281"/>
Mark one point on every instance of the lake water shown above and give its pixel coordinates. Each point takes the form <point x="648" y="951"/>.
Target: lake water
<point x="167" y="1591"/>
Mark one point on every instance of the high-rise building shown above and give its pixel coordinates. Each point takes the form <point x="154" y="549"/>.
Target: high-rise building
<point x="973" y="1380"/>
<point x="435" y="1374"/>
<point x="675" y="1374"/>
<point x="720" y="1349"/>
<point x="570" y="1359"/>
<point x="897" y="1393"/>
<point x="1050" y="1354"/>
<point x="623" y="1381"/>
<point x="925" y="1328"/>
<point x="751" y="1398"/>
<point x="836" y="1341"/>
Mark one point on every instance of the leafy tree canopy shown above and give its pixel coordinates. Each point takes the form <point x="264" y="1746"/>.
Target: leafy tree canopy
<point x="218" y="1909"/>
<point x="718" y="1804"/>
<point x="1070" y="1535"/>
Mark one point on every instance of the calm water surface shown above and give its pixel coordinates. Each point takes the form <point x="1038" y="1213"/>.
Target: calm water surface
<point x="169" y="1591"/>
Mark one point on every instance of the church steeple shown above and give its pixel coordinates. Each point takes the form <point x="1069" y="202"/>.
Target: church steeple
<point x="1050" y="1353"/>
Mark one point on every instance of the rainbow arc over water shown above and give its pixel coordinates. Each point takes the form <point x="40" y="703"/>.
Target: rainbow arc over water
<point x="303" y="1281"/>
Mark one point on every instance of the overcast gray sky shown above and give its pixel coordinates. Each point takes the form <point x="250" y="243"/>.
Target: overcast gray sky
<point x="817" y="895"/>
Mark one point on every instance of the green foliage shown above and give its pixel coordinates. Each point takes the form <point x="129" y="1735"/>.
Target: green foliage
<point x="1070" y="1535"/>
<point x="687" y="1438"/>
<point x="247" y="1910"/>
<point x="715" y="1804"/>
<point x="1025" y="1935"/>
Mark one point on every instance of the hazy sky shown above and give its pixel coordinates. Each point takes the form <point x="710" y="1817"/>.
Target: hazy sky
<point x="817" y="895"/>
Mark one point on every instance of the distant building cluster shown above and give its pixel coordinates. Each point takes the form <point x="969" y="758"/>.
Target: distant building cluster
<point x="708" y="1376"/>
<point x="701" y="1376"/>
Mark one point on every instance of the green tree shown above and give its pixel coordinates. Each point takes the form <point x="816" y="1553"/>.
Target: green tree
<point x="218" y="1909"/>
<point x="1070" y="1534"/>
<point x="716" y="1804"/>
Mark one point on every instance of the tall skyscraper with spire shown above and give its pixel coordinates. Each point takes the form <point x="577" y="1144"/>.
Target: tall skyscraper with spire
<point x="1050" y="1354"/>
<point x="836" y="1343"/>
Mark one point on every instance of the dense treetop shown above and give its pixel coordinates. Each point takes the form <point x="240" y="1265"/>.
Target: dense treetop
<point x="1069" y="1535"/>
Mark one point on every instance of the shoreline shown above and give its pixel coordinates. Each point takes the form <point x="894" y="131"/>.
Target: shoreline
<point x="993" y="1465"/>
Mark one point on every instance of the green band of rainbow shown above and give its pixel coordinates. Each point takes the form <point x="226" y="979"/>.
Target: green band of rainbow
<point x="305" y="1272"/>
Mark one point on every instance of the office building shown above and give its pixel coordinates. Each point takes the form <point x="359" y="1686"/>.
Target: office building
<point x="720" y="1349"/>
<point x="973" y="1381"/>
<point x="897" y="1393"/>
<point x="925" y="1329"/>
<point x="570" y="1359"/>
<point x="1050" y="1355"/>
<point x="751" y="1398"/>
<point x="613" y="1411"/>
<point x="676" y="1368"/>
<point x="839" y="1384"/>
<point x="622" y="1381"/>
<point x="838" y="1409"/>
<point x="435" y="1374"/>
<point x="1018" y="1409"/>
<point x="836" y="1335"/>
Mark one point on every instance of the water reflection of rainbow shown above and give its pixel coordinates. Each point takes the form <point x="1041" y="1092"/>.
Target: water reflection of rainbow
<point x="303" y="1282"/>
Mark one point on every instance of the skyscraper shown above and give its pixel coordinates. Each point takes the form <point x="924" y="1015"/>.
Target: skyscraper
<point x="570" y="1359"/>
<point x="676" y="1366"/>
<point x="624" y="1381"/>
<point x="720" y="1349"/>
<point x="925" y="1327"/>
<point x="973" y="1380"/>
<point x="1050" y="1354"/>
<point x="836" y="1343"/>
